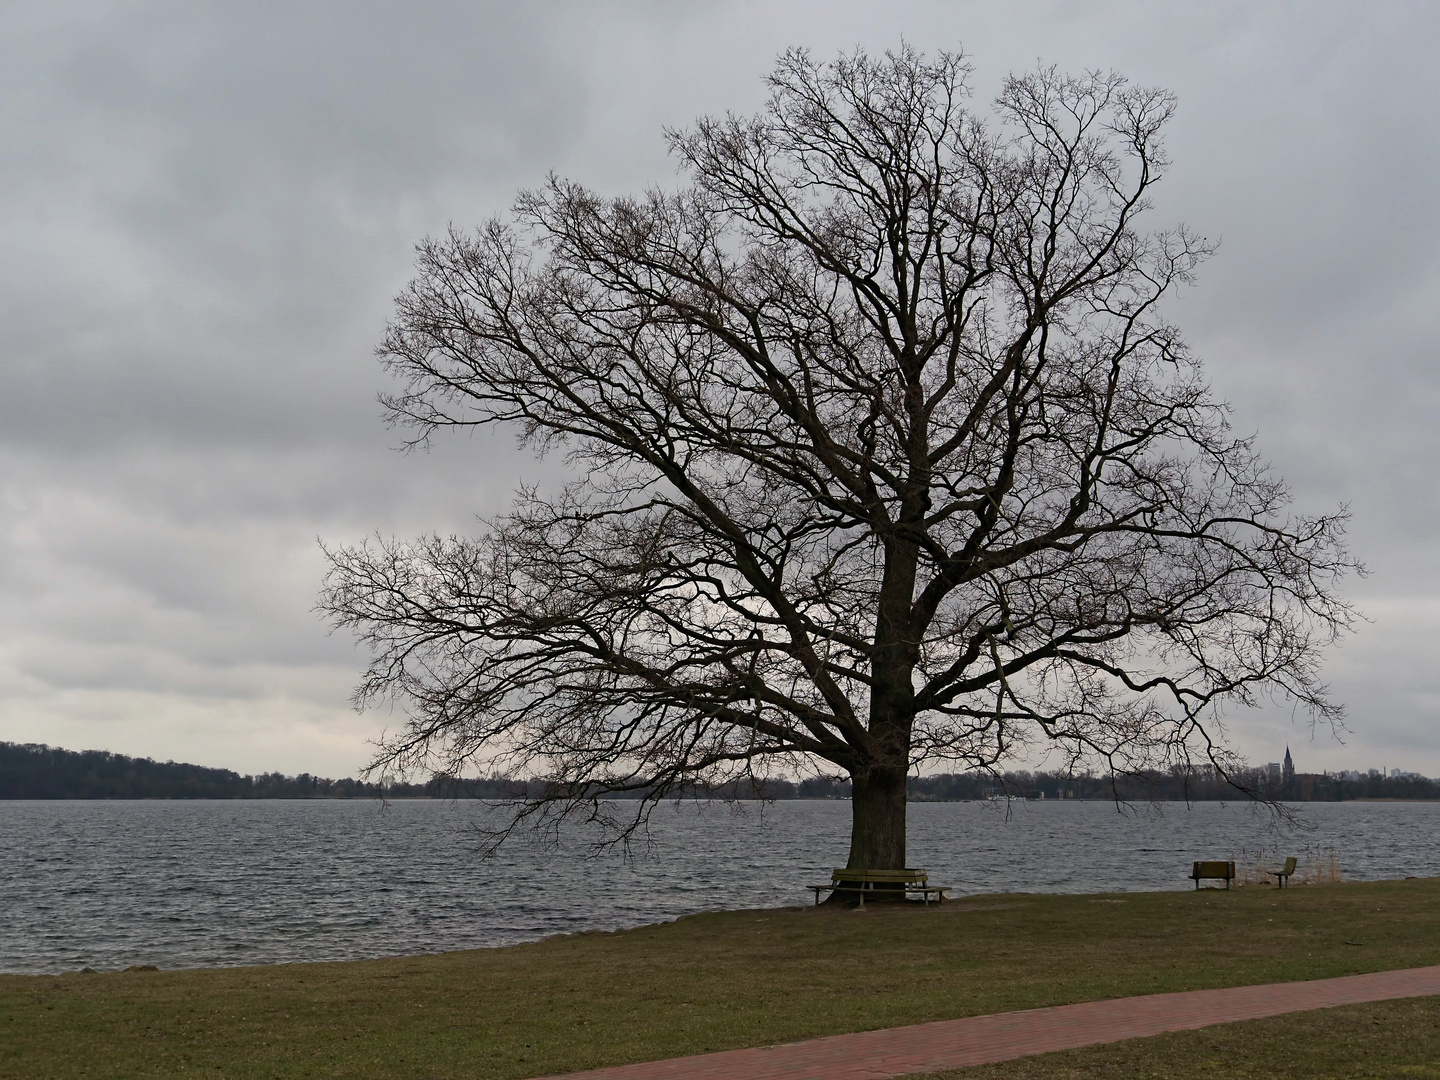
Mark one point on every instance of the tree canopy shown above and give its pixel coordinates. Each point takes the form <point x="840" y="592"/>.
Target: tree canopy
<point x="884" y="454"/>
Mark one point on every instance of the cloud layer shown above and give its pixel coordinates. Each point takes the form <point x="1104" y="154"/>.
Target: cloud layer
<point x="210" y="206"/>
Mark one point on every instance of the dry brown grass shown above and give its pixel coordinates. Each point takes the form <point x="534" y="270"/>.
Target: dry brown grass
<point x="1314" y="866"/>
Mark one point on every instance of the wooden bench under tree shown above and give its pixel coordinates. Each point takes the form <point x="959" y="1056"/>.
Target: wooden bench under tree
<point x="1213" y="871"/>
<point x="1282" y="876"/>
<point x="882" y="884"/>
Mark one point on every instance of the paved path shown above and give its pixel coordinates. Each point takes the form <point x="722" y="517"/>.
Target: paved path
<point x="979" y="1040"/>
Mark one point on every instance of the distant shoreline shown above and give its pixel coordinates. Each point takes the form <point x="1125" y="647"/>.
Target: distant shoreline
<point x="1236" y="798"/>
<point x="33" y="772"/>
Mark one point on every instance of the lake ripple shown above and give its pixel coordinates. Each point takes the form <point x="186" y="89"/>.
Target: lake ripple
<point x="201" y="884"/>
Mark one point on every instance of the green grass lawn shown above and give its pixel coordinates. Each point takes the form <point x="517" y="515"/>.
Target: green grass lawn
<point x="733" y="979"/>
<point x="1386" y="1040"/>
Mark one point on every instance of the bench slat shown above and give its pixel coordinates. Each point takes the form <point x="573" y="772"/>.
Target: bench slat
<point x="932" y="890"/>
<point x="888" y="876"/>
<point x="1213" y="868"/>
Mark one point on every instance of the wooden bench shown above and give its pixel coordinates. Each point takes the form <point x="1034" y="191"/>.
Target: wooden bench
<point x="1213" y="871"/>
<point x="874" y="883"/>
<point x="1282" y="876"/>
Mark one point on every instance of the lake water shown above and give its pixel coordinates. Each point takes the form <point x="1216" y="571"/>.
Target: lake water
<point x="199" y="884"/>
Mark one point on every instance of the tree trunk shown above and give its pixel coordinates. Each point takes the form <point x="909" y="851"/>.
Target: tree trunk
<point x="877" y="830"/>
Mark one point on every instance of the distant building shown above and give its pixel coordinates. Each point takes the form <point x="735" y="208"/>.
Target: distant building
<point x="1288" y="775"/>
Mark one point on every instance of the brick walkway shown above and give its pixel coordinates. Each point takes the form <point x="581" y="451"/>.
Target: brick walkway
<point x="980" y="1040"/>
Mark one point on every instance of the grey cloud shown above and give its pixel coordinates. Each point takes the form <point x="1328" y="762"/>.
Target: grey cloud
<point x="228" y="186"/>
<point x="209" y="207"/>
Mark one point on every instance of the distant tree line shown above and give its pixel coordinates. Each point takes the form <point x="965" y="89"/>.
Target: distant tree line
<point x="31" y="771"/>
<point x="1173" y="785"/>
<point x="1203" y="785"/>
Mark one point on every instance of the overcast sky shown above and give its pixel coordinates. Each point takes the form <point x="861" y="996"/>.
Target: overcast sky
<point x="209" y="206"/>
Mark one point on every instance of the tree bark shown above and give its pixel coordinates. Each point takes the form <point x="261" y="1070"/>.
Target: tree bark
<point x="877" y="833"/>
<point x="877" y="830"/>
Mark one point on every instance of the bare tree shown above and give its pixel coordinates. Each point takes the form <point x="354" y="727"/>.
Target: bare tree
<point x="886" y="456"/>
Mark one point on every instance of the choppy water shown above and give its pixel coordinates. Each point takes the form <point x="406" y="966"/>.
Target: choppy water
<point x="192" y="884"/>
